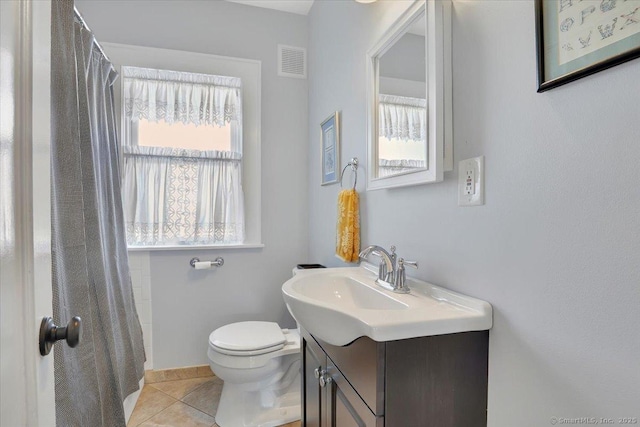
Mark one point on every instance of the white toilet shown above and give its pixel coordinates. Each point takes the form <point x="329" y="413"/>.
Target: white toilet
<point x="260" y="366"/>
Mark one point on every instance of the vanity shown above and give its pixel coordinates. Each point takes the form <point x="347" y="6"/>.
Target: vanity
<point x="427" y="381"/>
<point x="375" y="358"/>
<point x="380" y="349"/>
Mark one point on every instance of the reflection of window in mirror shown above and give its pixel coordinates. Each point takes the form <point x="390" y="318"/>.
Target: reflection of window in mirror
<point x="402" y="134"/>
<point x="402" y="140"/>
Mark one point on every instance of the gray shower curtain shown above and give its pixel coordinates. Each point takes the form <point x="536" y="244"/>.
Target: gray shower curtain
<point x="90" y="266"/>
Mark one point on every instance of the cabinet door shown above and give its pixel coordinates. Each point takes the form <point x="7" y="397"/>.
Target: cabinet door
<point x="346" y="408"/>
<point x="314" y="399"/>
<point x="362" y="363"/>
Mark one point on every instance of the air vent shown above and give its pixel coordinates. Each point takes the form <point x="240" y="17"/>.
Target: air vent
<point x="292" y="61"/>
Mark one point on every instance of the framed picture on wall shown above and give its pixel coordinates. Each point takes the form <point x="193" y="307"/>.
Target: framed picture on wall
<point x="576" y="38"/>
<point x="330" y="146"/>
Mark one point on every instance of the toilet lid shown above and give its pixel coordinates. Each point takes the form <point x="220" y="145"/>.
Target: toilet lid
<point x="248" y="336"/>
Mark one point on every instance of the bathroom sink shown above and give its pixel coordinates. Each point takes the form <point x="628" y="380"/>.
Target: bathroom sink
<point x="346" y="292"/>
<point x="339" y="305"/>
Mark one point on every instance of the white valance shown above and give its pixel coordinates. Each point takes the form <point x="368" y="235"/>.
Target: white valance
<point x="175" y="96"/>
<point x="398" y="166"/>
<point x="402" y="117"/>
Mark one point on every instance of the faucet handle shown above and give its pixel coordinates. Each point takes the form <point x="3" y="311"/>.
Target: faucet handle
<point x="392" y="249"/>
<point x="402" y="263"/>
<point x="400" y="284"/>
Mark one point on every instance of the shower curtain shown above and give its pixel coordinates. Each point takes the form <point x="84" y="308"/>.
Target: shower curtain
<point x="90" y="265"/>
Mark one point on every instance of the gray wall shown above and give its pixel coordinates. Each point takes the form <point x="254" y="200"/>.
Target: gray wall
<point x="555" y="249"/>
<point x="187" y="304"/>
<point x="406" y="59"/>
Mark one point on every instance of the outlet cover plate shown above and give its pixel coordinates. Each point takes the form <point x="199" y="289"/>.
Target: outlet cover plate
<point x="471" y="182"/>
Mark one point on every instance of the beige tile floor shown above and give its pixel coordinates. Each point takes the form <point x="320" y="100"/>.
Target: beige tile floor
<point x="190" y="402"/>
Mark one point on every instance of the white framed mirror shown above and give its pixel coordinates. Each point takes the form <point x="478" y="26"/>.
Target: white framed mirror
<point x="410" y="99"/>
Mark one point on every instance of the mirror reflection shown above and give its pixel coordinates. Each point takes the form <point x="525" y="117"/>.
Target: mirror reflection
<point x="402" y="112"/>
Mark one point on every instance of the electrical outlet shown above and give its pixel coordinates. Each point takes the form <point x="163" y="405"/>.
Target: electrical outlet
<point x="471" y="182"/>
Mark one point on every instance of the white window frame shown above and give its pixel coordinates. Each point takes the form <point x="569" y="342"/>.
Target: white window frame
<point x="249" y="71"/>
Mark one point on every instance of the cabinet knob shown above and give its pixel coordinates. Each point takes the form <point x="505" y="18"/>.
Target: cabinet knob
<point x="325" y="379"/>
<point x="319" y="372"/>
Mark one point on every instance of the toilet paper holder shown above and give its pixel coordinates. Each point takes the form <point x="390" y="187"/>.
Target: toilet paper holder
<point x="218" y="262"/>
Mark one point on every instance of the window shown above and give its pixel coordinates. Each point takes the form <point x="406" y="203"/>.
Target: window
<point x="182" y="150"/>
<point x="187" y="136"/>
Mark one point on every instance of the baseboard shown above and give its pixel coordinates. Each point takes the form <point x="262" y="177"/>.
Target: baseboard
<point x="161" y="375"/>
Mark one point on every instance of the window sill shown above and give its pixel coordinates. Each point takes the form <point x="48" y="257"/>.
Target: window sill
<point x="195" y="247"/>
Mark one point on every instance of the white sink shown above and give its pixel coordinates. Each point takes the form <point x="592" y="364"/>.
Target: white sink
<point x="339" y="305"/>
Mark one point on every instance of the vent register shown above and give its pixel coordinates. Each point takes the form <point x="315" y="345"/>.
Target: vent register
<point x="292" y="61"/>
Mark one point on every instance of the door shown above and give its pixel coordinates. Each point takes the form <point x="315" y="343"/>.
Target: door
<point x="314" y="361"/>
<point x="27" y="385"/>
<point x="345" y="407"/>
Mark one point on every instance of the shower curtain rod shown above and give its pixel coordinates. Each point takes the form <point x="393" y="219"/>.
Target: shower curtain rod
<point x="95" y="41"/>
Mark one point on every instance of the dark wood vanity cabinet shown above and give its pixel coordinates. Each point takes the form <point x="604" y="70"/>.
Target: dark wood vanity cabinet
<point x="329" y="399"/>
<point x="438" y="381"/>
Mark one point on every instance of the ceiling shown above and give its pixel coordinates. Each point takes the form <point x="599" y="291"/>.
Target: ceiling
<point x="301" y="7"/>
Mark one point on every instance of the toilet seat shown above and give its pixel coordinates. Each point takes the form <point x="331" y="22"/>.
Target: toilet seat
<point x="250" y="338"/>
<point x="247" y="352"/>
<point x="254" y="358"/>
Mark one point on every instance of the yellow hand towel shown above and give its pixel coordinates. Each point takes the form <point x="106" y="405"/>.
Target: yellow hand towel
<point x="348" y="228"/>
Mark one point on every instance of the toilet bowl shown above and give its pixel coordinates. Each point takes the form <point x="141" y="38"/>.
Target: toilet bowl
<point x="260" y="365"/>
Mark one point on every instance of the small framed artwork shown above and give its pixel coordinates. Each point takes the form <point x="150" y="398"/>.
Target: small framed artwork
<point x="330" y="144"/>
<point x="576" y="38"/>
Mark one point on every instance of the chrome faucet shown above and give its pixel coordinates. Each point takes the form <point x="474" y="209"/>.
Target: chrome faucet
<point x="386" y="267"/>
<point x="391" y="274"/>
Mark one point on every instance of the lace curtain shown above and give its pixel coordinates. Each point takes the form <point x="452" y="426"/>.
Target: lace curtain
<point x="402" y="118"/>
<point x="178" y="196"/>
<point x="175" y="96"/>
<point x="394" y="167"/>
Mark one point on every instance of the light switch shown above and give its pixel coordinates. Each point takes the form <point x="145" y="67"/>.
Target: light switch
<point x="471" y="182"/>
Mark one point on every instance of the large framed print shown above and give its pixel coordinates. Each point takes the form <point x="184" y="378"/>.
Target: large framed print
<point x="330" y="146"/>
<point x="576" y="38"/>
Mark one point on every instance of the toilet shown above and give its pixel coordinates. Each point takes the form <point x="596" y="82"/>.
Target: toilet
<point x="260" y="365"/>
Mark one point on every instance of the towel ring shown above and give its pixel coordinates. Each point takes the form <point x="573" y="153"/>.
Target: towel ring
<point x="354" y="167"/>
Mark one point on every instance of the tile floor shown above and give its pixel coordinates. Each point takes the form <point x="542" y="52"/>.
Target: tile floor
<point x="169" y="399"/>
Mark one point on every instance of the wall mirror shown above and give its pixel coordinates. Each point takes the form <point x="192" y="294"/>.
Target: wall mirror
<point x="409" y="102"/>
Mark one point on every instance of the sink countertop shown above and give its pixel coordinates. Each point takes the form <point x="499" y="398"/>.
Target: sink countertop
<point x="339" y="305"/>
